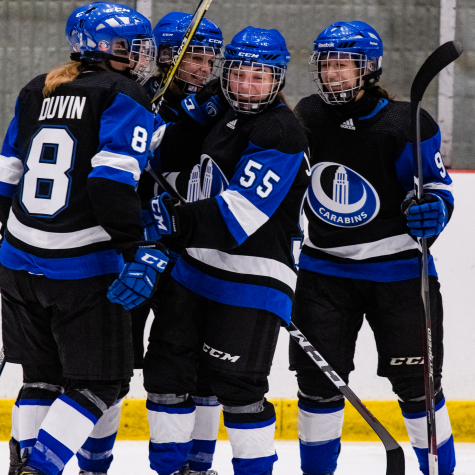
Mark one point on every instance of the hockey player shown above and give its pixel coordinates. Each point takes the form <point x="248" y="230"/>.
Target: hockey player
<point x="70" y="180"/>
<point x="223" y="308"/>
<point x="362" y="256"/>
<point x="196" y="69"/>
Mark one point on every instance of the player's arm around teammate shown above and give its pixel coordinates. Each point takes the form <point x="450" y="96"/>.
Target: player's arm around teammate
<point x="233" y="285"/>
<point x="361" y="256"/>
<point x="70" y="163"/>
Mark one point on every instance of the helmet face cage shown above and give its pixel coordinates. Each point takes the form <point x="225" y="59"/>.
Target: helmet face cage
<point x="143" y="53"/>
<point x="338" y="75"/>
<point x="199" y="65"/>
<point x="251" y="86"/>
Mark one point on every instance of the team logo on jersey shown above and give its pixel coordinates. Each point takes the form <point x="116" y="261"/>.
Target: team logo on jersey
<point x="206" y="180"/>
<point x="104" y="45"/>
<point x="341" y="197"/>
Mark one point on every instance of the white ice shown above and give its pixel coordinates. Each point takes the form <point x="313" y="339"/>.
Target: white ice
<point x="357" y="458"/>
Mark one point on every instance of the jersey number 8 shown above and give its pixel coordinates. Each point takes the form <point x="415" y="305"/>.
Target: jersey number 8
<point x="46" y="181"/>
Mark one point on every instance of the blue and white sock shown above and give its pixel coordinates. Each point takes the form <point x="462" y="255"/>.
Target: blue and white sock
<point x="251" y="431"/>
<point x="62" y="433"/>
<point x="96" y="453"/>
<point x="205" y="433"/>
<point x="30" y="410"/>
<point x="171" y="419"/>
<point x="416" y="425"/>
<point x="320" y="431"/>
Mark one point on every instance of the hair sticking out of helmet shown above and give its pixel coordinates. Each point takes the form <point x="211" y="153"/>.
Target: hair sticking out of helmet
<point x="254" y="69"/>
<point x="201" y="60"/>
<point x="114" y="34"/>
<point x="346" y="59"/>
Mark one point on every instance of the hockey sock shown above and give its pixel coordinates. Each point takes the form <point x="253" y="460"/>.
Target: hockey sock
<point x="96" y="453"/>
<point x="205" y="433"/>
<point x="31" y="408"/>
<point x="251" y="432"/>
<point x="320" y="428"/>
<point x="415" y="418"/>
<point x="171" y="419"/>
<point x="69" y="422"/>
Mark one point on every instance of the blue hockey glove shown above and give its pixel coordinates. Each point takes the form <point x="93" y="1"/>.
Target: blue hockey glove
<point x="137" y="280"/>
<point x="160" y="219"/>
<point x="426" y="218"/>
<point x="206" y="106"/>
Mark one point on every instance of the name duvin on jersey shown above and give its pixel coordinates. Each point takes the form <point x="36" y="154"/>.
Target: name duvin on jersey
<point x="69" y="107"/>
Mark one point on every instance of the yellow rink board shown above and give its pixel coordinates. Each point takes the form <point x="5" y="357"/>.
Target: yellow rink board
<point x="134" y="425"/>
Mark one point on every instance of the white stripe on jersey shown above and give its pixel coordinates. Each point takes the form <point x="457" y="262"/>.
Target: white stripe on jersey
<point x="46" y="240"/>
<point x="320" y="427"/>
<point x="11" y="170"/>
<point x="248" y="216"/>
<point x="417" y="429"/>
<point x="245" y="265"/>
<point x="383" y="247"/>
<point x="157" y="138"/>
<point x="118" y="161"/>
<point x="437" y="185"/>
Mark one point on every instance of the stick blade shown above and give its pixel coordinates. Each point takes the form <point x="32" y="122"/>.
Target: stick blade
<point x="396" y="464"/>
<point x="438" y="60"/>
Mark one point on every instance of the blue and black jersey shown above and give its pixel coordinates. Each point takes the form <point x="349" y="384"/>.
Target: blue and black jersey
<point x="362" y="170"/>
<point x="71" y="163"/>
<point x="240" y="234"/>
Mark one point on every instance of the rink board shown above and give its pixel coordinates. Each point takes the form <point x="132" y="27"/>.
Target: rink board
<point x="134" y="425"/>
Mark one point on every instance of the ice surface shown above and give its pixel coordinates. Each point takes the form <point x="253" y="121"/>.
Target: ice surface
<point x="357" y="458"/>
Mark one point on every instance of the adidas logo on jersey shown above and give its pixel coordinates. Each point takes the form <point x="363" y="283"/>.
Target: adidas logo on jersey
<point x="232" y="124"/>
<point x="348" y="124"/>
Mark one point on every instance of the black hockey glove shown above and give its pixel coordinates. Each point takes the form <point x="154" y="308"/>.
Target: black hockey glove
<point x="138" y="278"/>
<point x="427" y="217"/>
<point x="206" y="106"/>
<point x="160" y="219"/>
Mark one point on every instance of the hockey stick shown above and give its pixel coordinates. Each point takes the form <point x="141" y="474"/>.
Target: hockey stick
<point x="395" y="464"/>
<point x="192" y="27"/>
<point x="2" y="361"/>
<point x="437" y="61"/>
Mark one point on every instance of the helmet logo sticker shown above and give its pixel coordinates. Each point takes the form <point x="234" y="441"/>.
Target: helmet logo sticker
<point x="342" y="197"/>
<point x="104" y="45"/>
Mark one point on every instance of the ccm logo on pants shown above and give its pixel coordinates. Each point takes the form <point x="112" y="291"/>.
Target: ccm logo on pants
<point x="219" y="354"/>
<point x="412" y="360"/>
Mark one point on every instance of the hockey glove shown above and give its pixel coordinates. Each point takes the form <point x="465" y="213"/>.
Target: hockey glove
<point x="426" y="218"/>
<point x="160" y="219"/>
<point x="208" y="105"/>
<point x="137" y="280"/>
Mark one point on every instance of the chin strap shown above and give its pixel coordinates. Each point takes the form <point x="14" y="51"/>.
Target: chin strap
<point x="371" y="79"/>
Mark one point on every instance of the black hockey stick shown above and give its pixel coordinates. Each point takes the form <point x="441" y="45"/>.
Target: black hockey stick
<point x="192" y="27"/>
<point x="436" y="62"/>
<point x="395" y="464"/>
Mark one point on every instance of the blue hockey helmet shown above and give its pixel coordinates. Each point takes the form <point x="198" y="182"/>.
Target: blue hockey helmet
<point x="199" y="64"/>
<point x="353" y="40"/>
<point x="172" y="27"/>
<point x="106" y="31"/>
<point x="254" y="69"/>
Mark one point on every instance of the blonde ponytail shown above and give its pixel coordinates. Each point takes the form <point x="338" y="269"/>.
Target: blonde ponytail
<point x="65" y="73"/>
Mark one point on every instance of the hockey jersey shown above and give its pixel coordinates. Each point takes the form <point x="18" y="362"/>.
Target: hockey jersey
<point x="362" y="170"/>
<point x="241" y="234"/>
<point x="71" y="162"/>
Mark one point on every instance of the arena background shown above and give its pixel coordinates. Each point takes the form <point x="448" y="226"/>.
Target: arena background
<point x="32" y="41"/>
